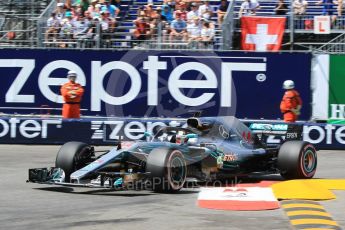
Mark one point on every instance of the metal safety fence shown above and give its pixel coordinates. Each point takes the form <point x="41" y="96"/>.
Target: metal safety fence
<point x="158" y="37"/>
<point x="25" y="25"/>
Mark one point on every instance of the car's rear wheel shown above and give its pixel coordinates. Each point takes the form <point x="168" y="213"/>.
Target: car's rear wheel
<point x="297" y="160"/>
<point x="73" y="156"/>
<point x="167" y="168"/>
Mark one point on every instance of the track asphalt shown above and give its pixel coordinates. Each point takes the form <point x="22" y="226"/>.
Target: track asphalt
<point x="32" y="206"/>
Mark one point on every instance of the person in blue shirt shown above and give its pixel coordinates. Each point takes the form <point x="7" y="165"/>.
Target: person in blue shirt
<point x="328" y="9"/>
<point x="327" y="6"/>
<point x="113" y="10"/>
<point x="178" y="28"/>
<point x="167" y="13"/>
<point x="222" y="8"/>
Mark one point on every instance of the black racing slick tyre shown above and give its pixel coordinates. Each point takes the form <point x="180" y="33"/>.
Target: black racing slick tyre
<point x="167" y="168"/>
<point x="73" y="156"/>
<point x="297" y="160"/>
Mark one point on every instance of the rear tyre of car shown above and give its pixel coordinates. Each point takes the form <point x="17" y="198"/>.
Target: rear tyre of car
<point x="168" y="170"/>
<point x="73" y="156"/>
<point x="297" y="160"/>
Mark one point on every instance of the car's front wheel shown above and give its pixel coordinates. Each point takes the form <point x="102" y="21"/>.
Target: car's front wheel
<point x="167" y="168"/>
<point x="297" y="160"/>
<point x="73" y="156"/>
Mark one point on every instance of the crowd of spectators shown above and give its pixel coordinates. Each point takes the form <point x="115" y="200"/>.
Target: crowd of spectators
<point x="332" y="8"/>
<point x="80" y="20"/>
<point x="179" y="21"/>
<point x="329" y="8"/>
<point x="173" y="21"/>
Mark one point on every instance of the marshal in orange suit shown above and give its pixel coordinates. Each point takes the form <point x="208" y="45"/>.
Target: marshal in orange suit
<point x="291" y="103"/>
<point x="72" y="93"/>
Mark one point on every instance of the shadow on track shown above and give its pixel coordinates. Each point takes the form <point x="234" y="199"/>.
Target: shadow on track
<point x="102" y="222"/>
<point x="99" y="192"/>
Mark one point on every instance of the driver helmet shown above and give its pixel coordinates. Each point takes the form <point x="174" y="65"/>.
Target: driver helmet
<point x="180" y="139"/>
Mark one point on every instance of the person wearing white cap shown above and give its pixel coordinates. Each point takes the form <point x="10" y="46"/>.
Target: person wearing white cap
<point x="194" y="12"/>
<point x="72" y="93"/>
<point x="60" y="11"/>
<point x="194" y="30"/>
<point x="92" y="7"/>
<point x="291" y="103"/>
<point x="205" y="10"/>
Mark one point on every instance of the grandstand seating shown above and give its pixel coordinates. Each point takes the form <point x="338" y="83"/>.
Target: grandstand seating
<point x="18" y="21"/>
<point x="303" y="36"/>
<point x="20" y="16"/>
<point x="122" y="38"/>
<point x="267" y="9"/>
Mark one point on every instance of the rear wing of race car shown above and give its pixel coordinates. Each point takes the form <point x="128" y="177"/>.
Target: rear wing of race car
<point x="277" y="133"/>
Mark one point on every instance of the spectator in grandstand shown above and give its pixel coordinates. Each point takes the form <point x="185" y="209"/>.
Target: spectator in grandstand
<point x="60" y="11"/>
<point x="72" y="93"/>
<point x="141" y="10"/>
<point x="178" y="4"/>
<point x="171" y="4"/>
<point x="178" y="29"/>
<point x="149" y="12"/>
<point x="87" y="17"/>
<point x="159" y="14"/>
<point x="158" y="23"/>
<point x="167" y="13"/>
<point x="67" y="28"/>
<point x="193" y="12"/>
<point x="249" y="7"/>
<point x="123" y="8"/>
<point x="113" y="10"/>
<point x="327" y="8"/>
<point x="205" y="10"/>
<point x="207" y="32"/>
<point x="81" y="25"/>
<point x="194" y="31"/>
<point x="105" y="22"/>
<point x="222" y="8"/>
<point x="96" y="12"/>
<point x="66" y="5"/>
<point x="340" y="5"/>
<point x="299" y="7"/>
<point x="281" y="8"/>
<point x="182" y="10"/>
<point x="91" y="33"/>
<point x="107" y="28"/>
<point x="291" y="103"/>
<point x="76" y="10"/>
<point x="84" y="5"/>
<point x="53" y="26"/>
<point x="142" y="30"/>
<point x="92" y="6"/>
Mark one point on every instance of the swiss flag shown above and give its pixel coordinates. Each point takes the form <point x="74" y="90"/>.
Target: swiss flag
<point x="262" y="33"/>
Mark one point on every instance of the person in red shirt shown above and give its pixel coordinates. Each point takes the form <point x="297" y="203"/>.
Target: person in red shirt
<point x="142" y="31"/>
<point x="291" y="103"/>
<point x="72" y="93"/>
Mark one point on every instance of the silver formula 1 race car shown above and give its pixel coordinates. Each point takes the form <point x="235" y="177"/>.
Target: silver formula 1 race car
<point x="207" y="149"/>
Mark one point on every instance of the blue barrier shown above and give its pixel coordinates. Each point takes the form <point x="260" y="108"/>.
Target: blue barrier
<point x="155" y="83"/>
<point x="108" y="131"/>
